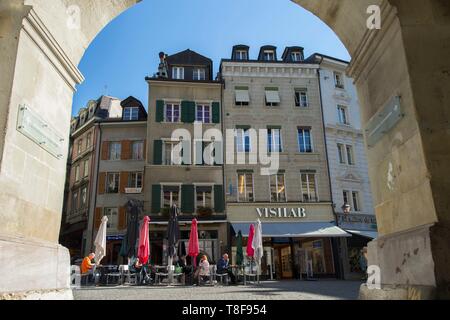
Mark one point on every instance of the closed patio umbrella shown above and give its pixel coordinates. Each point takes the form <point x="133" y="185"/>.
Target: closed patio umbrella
<point x="173" y="235"/>
<point x="144" y="242"/>
<point x="239" y="250"/>
<point x="251" y="234"/>
<point x="100" y="241"/>
<point x="194" y="246"/>
<point x="257" y="245"/>
<point x="181" y="249"/>
<point x="133" y="209"/>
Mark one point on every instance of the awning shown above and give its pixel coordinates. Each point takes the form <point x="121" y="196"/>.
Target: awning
<point x="242" y="96"/>
<point x="272" y="96"/>
<point x="367" y="234"/>
<point x="294" y="229"/>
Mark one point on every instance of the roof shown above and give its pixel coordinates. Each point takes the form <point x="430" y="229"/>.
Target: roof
<point x="313" y="58"/>
<point x="188" y="57"/>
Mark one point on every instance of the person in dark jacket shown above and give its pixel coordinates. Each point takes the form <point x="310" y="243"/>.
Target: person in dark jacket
<point x="223" y="267"/>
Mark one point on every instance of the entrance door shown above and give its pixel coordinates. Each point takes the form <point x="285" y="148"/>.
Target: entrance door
<point x="286" y="262"/>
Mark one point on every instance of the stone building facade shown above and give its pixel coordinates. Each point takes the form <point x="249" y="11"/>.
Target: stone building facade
<point x="282" y="98"/>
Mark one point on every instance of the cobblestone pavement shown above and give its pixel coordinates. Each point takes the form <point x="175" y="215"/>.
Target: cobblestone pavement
<point x="270" y="290"/>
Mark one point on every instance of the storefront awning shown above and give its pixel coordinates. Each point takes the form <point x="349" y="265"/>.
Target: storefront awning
<point x="367" y="234"/>
<point x="294" y="229"/>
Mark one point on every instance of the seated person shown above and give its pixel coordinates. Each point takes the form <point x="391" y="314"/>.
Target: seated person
<point x="223" y="267"/>
<point x="203" y="269"/>
<point x="187" y="270"/>
<point x="87" y="267"/>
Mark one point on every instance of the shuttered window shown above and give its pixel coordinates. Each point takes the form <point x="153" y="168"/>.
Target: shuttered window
<point x="159" y="111"/>
<point x="219" y="203"/>
<point x="216" y="112"/>
<point x="272" y="97"/>
<point x="158" y="152"/>
<point x="187" y="199"/>
<point x="156" y="198"/>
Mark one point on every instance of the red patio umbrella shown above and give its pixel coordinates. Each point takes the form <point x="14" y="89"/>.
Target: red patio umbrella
<point x="251" y="234"/>
<point x="194" y="247"/>
<point x="144" y="242"/>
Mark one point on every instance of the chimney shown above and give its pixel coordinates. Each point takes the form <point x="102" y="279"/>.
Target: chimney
<point x="163" y="71"/>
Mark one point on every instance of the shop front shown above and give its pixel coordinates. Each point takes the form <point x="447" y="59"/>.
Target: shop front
<point x="299" y="239"/>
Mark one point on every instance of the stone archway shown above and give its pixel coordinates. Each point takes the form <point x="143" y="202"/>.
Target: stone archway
<point x="41" y="46"/>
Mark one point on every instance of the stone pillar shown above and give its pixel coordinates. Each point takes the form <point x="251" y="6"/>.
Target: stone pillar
<point x="408" y="166"/>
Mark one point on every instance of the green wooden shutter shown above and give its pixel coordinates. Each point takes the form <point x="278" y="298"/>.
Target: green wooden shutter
<point x="219" y="203"/>
<point x="187" y="198"/>
<point x="192" y="107"/>
<point x="159" y="111"/>
<point x="187" y="111"/>
<point x="156" y="198"/>
<point x="157" y="152"/>
<point x="216" y="112"/>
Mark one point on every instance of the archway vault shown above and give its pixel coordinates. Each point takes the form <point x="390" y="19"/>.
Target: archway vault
<point x="407" y="57"/>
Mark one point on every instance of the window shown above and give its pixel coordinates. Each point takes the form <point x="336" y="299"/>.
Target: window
<point x="309" y="187"/>
<point x="274" y="140"/>
<point x="138" y="150"/>
<point x="178" y="73"/>
<point x="245" y="187"/>
<point x="343" y="115"/>
<point x="355" y="199"/>
<point x="350" y="158"/>
<point x="86" y="168"/>
<point x="241" y="55"/>
<point x="203" y="113"/>
<point x="88" y="140"/>
<point x="199" y="74"/>
<point x="169" y="153"/>
<point x="135" y="180"/>
<point x="296" y="56"/>
<point x="338" y="80"/>
<point x="277" y="188"/>
<point x="242" y="96"/>
<point x="131" y="114"/>
<point x="113" y="217"/>
<point x="171" y="196"/>
<point x="346" y="195"/>
<point x="243" y="143"/>
<point x="75" y="201"/>
<point x="80" y="146"/>
<point x="77" y="173"/>
<point x="301" y="98"/>
<point x="115" y="151"/>
<point x="172" y="113"/>
<point x="272" y="97"/>
<point x="84" y="197"/>
<point x="204" y="197"/>
<point x="113" y="183"/>
<point x="269" y="55"/>
<point x="305" y="140"/>
<point x="341" y="153"/>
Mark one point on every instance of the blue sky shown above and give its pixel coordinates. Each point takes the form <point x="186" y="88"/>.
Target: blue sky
<point x="126" y="51"/>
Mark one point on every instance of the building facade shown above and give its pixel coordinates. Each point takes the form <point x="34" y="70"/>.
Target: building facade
<point x="80" y="179"/>
<point x="350" y="185"/>
<point x="185" y="97"/>
<point x="279" y="101"/>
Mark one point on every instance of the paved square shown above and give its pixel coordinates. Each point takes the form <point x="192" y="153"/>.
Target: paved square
<point x="270" y="290"/>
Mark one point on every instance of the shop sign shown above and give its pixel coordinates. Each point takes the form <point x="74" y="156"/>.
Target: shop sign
<point x="281" y="213"/>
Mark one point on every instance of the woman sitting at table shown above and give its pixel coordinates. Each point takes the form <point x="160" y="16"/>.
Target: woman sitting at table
<point x="202" y="270"/>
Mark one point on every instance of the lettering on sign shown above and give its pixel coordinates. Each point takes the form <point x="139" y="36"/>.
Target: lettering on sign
<point x="281" y="213"/>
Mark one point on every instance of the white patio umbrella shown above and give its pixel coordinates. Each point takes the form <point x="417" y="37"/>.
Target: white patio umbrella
<point x="100" y="241"/>
<point x="257" y="245"/>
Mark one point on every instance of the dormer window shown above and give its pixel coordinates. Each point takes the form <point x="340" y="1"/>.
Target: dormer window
<point x="296" y="56"/>
<point x="241" y="55"/>
<point x="269" y="55"/>
<point x="339" y="80"/>
<point x="199" y="74"/>
<point x="178" y="73"/>
<point x="131" y="114"/>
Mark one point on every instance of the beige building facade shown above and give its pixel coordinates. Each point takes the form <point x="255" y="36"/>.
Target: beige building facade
<point x="281" y="98"/>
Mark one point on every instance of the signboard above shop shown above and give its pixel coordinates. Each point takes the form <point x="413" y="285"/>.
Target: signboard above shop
<point x="281" y="213"/>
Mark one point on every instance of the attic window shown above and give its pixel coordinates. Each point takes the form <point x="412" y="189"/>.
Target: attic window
<point x="199" y="74"/>
<point x="296" y="56"/>
<point x="269" y="55"/>
<point x="131" y="114"/>
<point x="241" y="55"/>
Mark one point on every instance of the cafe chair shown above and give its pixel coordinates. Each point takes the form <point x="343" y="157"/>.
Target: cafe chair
<point x="115" y="273"/>
<point x="223" y="277"/>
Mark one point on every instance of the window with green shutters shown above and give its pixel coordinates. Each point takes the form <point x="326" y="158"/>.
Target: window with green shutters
<point x="187" y="199"/>
<point x="158" y="152"/>
<point x="219" y="203"/>
<point x="216" y="112"/>
<point x="159" y="111"/>
<point x="188" y="111"/>
<point x="156" y="198"/>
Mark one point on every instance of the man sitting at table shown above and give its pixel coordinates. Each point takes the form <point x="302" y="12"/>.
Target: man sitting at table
<point x="87" y="267"/>
<point x="223" y="267"/>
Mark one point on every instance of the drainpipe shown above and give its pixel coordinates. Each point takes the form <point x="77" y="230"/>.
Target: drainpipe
<point x="99" y="146"/>
<point x="334" y="242"/>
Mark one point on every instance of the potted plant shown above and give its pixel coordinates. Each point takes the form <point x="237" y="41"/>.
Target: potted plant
<point x="204" y="211"/>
